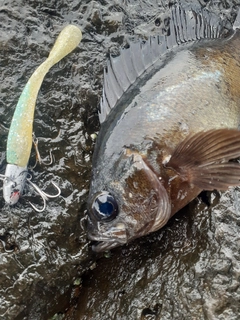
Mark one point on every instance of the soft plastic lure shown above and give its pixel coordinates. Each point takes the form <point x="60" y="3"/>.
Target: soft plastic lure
<point x="19" y="142"/>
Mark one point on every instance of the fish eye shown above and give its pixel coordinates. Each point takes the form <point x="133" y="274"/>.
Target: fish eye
<point x="105" y="207"/>
<point x="11" y="183"/>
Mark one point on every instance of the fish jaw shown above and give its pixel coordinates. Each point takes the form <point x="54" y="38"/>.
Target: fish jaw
<point x="112" y="237"/>
<point x="14" y="183"/>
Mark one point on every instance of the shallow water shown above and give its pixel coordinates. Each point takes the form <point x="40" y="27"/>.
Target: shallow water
<point x="188" y="270"/>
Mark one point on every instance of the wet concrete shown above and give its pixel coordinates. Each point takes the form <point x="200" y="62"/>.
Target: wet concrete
<point x="188" y="270"/>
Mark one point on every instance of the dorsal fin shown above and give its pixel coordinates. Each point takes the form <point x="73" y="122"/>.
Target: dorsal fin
<point x="236" y="24"/>
<point x="121" y="72"/>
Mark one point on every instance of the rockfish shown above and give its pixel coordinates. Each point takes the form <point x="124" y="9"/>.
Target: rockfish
<point x="169" y="114"/>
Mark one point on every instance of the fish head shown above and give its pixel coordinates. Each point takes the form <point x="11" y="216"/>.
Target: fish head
<point x="126" y="203"/>
<point x="13" y="183"/>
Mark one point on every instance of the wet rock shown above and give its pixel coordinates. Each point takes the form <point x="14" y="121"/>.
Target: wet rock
<point x="113" y="21"/>
<point x="189" y="269"/>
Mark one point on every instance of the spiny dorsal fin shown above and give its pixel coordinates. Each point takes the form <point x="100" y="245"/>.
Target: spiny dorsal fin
<point x="236" y="24"/>
<point x="122" y="71"/>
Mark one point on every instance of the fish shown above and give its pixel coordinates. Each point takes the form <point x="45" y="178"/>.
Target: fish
<point x="20" y="136"/>
<point x="169" y="115"/>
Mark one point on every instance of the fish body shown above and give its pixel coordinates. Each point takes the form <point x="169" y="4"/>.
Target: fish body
<point x="169" y="136"/>
<point x="19" y="141"/>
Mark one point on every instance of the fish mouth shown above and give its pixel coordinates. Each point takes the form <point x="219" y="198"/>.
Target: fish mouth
<point x="108" y="239"/>
<point x="101" y="246"/>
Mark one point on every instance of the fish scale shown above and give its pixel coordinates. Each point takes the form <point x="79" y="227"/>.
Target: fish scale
<point x="144" y="55"/>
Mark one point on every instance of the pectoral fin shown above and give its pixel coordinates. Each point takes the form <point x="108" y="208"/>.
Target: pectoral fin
<point x="203" y="159"/>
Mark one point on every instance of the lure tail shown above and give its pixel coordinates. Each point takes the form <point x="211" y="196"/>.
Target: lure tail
<point x="19" y="141"/>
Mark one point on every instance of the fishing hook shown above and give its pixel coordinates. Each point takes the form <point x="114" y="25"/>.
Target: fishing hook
<point x="4" y="247"/>
<point x="38" y="156"/>
<point x="2" y="177"/>
<point x="43" y="195"/>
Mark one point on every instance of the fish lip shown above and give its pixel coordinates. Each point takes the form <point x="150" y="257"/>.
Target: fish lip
<point x="101" y="246"/>
<point x="111" y="238"/>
